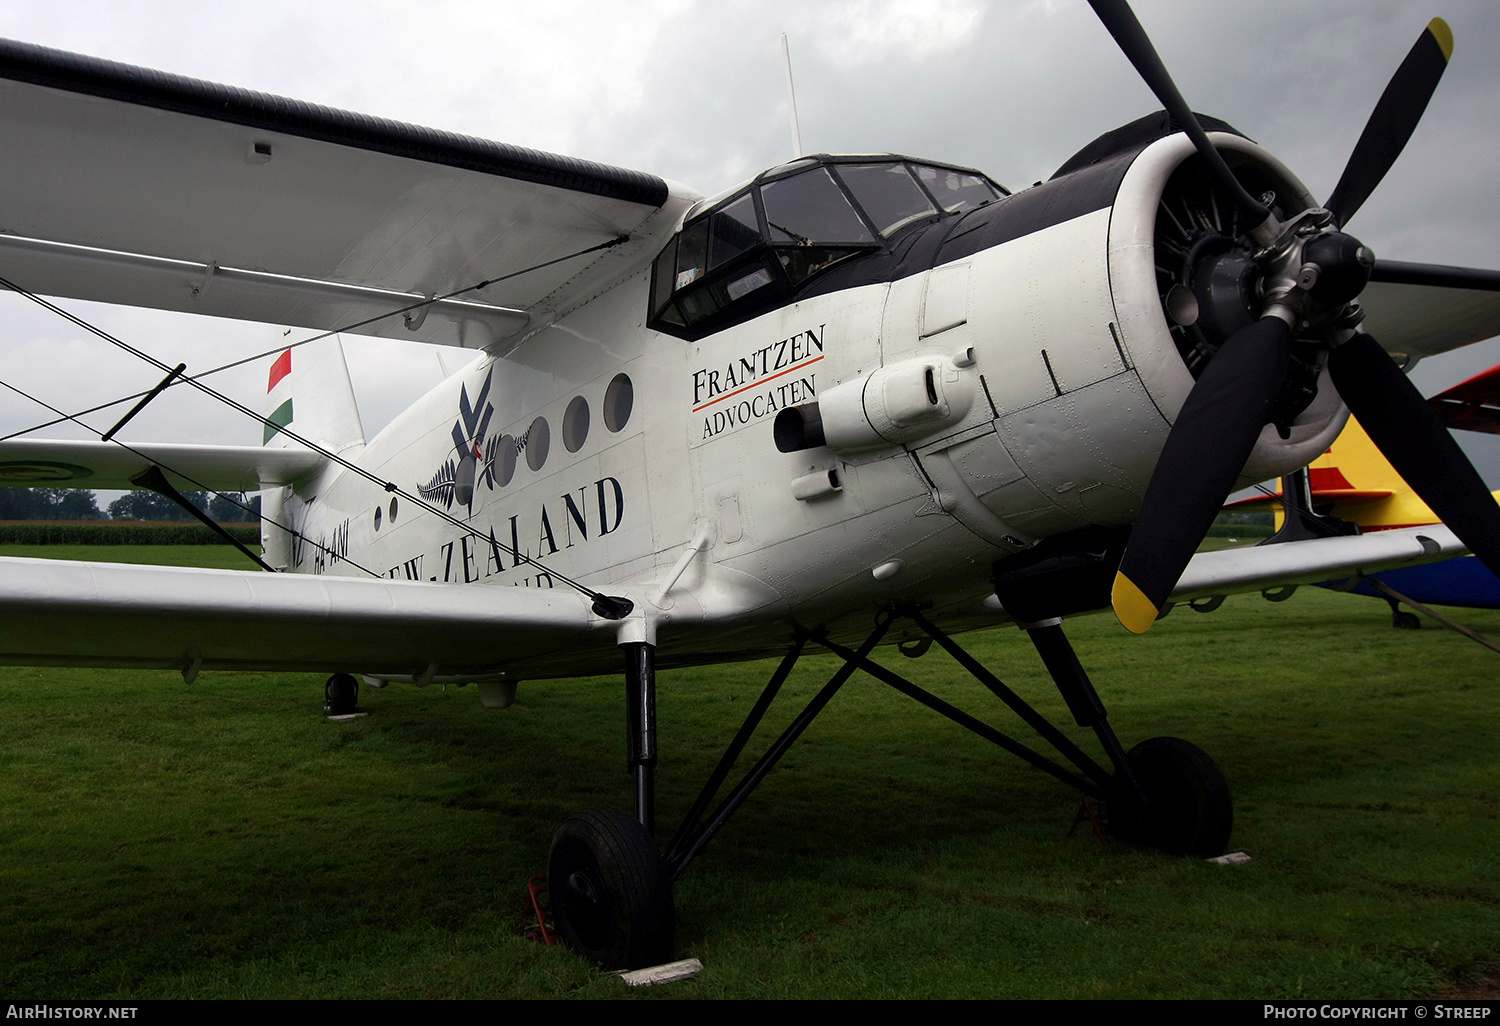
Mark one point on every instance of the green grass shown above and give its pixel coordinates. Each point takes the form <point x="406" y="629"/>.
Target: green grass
<point x="220" y="557"/>
<point x="224" y="840"/>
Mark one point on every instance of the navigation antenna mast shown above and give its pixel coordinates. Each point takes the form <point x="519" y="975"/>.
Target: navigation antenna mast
<point x="791" y="92"/>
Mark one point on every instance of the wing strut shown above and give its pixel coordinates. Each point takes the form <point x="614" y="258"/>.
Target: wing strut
<point x="138" y="407"/>
<point x="1394" y="596"/>
<point x="413" y="311"/>
<point x="154" y="480"/>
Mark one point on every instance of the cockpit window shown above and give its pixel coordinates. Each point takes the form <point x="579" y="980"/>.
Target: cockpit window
<point x="888" y="195"/>
<point x="756" y="247"/>
<point x="692" y="255"/>
<point x="809" y="208"/>
<point x="733" y="231"/>
<point x="954" y="190"/>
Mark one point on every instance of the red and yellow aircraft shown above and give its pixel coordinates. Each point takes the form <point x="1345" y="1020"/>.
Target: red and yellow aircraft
<point x="1354" y="483"/>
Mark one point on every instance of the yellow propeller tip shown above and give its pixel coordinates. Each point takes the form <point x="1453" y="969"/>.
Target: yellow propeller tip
<point x="1135" y="611"/>
<point x="1443" y="35"/>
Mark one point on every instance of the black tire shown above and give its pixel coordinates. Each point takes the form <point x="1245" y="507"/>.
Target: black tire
<point x="611" y="890"/>
<point x="1191" y="810"/>
<point x="1404" y="621"/>
<point x="341" y="695"/>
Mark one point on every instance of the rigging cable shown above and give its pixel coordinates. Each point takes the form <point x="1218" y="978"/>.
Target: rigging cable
<point x="321" y="335"/>
<point x="189" y="478"/>
<point x="607" y="606"/>
<point x="1307" y="516"/>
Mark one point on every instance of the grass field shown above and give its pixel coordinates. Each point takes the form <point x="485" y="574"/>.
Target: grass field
<point x="224" y="840"/>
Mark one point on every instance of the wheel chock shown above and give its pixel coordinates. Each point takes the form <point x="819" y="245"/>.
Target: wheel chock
<point x="537" y="931"/>
<point x="684" y="970"/>
<point x="1092" y="810"/>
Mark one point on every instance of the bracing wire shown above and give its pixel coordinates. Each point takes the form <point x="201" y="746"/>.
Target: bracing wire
<point x="1307" y="515"/>
<point x="603" y="604"/>
<point x="187" y="477"/>
<point x="186" y="379"/>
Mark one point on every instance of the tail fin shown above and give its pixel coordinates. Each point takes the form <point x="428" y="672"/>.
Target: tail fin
<point x="308" y="392"/>
<point x="1362" y="486"/>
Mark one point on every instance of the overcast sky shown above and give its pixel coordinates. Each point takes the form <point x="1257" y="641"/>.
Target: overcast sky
<point x="696" y="92"/>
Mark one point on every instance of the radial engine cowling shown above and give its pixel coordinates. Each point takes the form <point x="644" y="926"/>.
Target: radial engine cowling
<point x="1168" y="240"/>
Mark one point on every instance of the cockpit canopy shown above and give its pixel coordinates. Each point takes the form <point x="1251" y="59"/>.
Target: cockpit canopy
<point x="764" y="242"/>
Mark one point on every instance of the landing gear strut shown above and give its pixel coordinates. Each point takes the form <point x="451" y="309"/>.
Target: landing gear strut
<point x="1167" y="793"/>
<point x="1401" y="620"/>
<point x="611" y="890"/>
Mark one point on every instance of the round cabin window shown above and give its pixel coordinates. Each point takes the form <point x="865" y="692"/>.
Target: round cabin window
<point x="505" y="460"/>
<point x="619" y="398"/>
<point x="538" y="441"/>
<point x="575" y="429"/>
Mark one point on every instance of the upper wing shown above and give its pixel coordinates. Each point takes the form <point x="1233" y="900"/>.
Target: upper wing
<point x="1321" y="496"/>
<point x="223" y="468"/>
<point x="1263" y="567"/>
<point x="62" y="613"/>
<point x="1472" y="405"/>
<point x="126" y="185"/>
<point x="1426" y="309"/>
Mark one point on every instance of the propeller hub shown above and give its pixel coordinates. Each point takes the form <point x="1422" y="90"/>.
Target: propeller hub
<point x="1337" y="267"/>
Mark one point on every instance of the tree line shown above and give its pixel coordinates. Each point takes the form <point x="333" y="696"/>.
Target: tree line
<point x="82" y="504"/>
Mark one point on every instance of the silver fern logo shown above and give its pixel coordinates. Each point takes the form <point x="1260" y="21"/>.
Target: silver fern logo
<point x="477" y="458"/>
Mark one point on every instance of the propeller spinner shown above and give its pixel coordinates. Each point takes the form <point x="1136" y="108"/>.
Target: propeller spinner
<point x="1304" y="274"/>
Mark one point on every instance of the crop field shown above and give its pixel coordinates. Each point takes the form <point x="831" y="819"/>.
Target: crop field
<point x="224" y="840"/>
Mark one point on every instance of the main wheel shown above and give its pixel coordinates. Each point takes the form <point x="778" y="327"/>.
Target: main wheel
<point x="341" y="695"/>
<point x="1404" y="621"/>
<point x="611" y="890"/>
<point x="1191" y="811"/>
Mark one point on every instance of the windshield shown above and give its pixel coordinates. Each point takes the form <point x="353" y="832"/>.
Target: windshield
<point x="756" y="248"/>
<point x="809" y="208"/>
<point x="888" y="194"/>
<point x="956" y="191"/>
<point x="733" y="230"/>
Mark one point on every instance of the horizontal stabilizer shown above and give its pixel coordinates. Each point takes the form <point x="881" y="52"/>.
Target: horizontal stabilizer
<point x="51" y="463"/>
<point x="1343" y="496"/>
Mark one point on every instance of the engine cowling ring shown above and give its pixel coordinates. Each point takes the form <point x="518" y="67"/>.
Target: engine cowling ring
<point x="1137" y="288"/>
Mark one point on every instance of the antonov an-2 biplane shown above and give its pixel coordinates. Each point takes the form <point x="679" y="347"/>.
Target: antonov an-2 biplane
<point x="856" y="400"/>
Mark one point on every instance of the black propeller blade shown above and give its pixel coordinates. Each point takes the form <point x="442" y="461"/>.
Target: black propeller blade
<point x="1236" y="394"/>
<point x="1416" y="443"/>
<point x="1443" y="276"/>
<point x="1394" y="119"/>
<point x="1121" y="23"/>
<point x="1208" y="445"/>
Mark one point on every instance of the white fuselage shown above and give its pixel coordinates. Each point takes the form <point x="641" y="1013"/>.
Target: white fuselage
<point x="1055" y="340"/>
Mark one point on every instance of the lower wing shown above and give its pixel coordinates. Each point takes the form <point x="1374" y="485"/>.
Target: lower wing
<point x="1265" y="567"/>
<point x="63" y="613"/>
